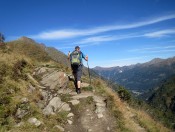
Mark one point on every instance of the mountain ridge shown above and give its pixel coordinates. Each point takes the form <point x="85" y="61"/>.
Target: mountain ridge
<point x="153" y="61"/>
<point x="140" y="77"/>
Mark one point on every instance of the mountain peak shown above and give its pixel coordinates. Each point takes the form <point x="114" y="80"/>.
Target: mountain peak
<point x="155" y="60"/>
<point x="26" y="39"/>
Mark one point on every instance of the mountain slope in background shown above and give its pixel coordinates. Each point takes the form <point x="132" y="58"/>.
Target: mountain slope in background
<point x="140" y="78"/>
<point x="163" y="100"/>
<point x="164" y="96"/>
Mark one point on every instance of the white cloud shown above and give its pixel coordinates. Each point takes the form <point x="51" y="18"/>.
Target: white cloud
<point x="72" y="46"/>
<point x="162" y="51"/>
<point x="129" y="59"/>
<point x="160" y="33"/>
<point x="98" y="39"/>
<point x="120" y="62"/>
<point x="152" y="48"/>
<point x="70" y="33"/>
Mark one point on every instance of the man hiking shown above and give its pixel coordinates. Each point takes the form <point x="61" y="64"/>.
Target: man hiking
<point x="76" y="59"/>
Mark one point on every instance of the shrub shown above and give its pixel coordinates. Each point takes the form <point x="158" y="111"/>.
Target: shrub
<point x="4" y="48"/>
<point x="62" y="117"/>
<point x="124" y="94"/>
<point x="2" y="72"/>
<point x="18" y="69"/>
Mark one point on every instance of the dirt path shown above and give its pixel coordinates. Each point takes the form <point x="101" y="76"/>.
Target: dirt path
<point x="90" y="114"/>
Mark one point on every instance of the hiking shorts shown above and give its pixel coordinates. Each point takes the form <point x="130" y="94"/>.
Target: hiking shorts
<point x="77" y="71"/>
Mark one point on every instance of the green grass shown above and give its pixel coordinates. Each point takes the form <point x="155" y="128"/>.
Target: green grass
<point x="62" y="117"/>
<point x="89" y="88"/>
<point x="89" y="100"/>
<point x="65" y="97"/>
<point x="116" y="113"/>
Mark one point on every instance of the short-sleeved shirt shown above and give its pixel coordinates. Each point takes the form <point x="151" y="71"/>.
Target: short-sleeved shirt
<point x="82" y="56"/>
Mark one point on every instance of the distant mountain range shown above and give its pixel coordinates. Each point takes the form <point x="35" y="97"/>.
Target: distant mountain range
<point x="140" y="78"/>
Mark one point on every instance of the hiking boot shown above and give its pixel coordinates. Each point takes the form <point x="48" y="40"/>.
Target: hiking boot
<point x="78" y="90"/>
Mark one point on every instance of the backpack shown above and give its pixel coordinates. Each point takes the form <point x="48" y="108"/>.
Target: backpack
<point x="75" y="58"/>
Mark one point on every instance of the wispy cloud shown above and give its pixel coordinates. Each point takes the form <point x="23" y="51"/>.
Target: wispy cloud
<point x="121" y="62"/>
<point x="106" y="38"/>
<point x="97" y="40"/>
<point x="128" y="59"/>
<point x="162" y="51"/>
<point x="70" y="33"/>
<point x="152" y="48"/>
<point x="72" y="46"/>
<point x="160" y="33"/>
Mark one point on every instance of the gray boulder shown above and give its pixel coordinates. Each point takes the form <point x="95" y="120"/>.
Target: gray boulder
<point x="20" y="113"/>
<point x="59" y="128"/>
<point x="55" y="105"/>
<point x="24" y="100"/>
<point x="55" y="80"/>
<point x="34" y="121"/>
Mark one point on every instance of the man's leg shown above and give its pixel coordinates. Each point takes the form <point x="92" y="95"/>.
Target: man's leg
<point x="78" y="90"/>
<point x="75" y="81"/>
<point x="79" y="84"/>
<point x="79" y="73"/>
<point x="74" y="72"/>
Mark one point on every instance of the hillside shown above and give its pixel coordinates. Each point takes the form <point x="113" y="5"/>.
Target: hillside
<point x="50" y="52"/>
<point x="140" y="78"/>
<point x="37" y="94"/>
<point x="163" y="99"/>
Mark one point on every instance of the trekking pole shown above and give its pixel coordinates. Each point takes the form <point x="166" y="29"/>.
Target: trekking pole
<point x="89" y="73"/>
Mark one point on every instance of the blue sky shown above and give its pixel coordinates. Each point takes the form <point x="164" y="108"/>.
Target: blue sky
<point x="110" y="32"/>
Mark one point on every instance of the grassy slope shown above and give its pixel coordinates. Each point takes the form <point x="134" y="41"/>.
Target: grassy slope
<point x="18" y="59"/>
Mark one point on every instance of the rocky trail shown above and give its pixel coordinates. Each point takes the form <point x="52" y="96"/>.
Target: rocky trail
<point x="90" y="114"/>
<point x="86" y="112"/>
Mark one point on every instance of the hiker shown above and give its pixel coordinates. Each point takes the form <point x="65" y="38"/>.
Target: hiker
<point x="76" y="59"/>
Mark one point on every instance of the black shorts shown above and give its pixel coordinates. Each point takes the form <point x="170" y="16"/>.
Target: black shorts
<point x="77" y="71"/>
